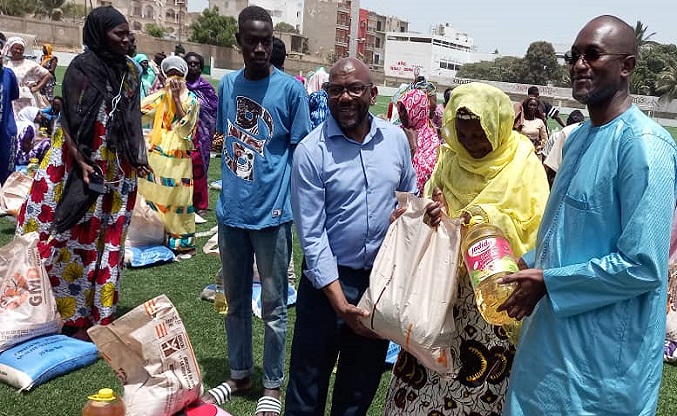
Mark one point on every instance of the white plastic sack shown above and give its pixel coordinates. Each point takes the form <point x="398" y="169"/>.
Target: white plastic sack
<point x="413" y="285"/>
<point x="146" y="227"/>
<point x="149" y="350"/>
<point x="15" y="192"/>
<point x="27" y="305"/>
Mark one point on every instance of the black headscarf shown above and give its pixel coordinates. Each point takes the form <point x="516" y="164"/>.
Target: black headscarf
<point x="92" y="77"/>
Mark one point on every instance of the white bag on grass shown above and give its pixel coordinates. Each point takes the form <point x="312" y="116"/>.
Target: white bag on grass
<point x="149" y="350"/>
<point x="27" y="305"/>
<point x="146" y="227"/>
<point x="15" y="191"/>
<point x="413" y="285"/>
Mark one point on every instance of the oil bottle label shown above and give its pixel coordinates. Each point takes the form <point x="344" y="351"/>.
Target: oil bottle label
<point x="488" y="257"/>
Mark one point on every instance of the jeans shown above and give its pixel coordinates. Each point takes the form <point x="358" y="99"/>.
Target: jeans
<point x="272" y="248"/>
<point x="319" y="338"/>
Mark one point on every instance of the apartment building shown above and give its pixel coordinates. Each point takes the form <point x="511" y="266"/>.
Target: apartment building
<point x="172" y="15"/>
<point x="330" y="28"/>
<point x="287" y="11"/>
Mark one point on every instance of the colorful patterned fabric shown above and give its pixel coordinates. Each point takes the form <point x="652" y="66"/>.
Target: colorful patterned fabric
<point x="84" y="264"/>
<point x="417" y="105"/>
<point x="169" y="189"/>
<point x="319" y="107"/>
<point x="482" y="357"/>
<point x="202" y="141"/>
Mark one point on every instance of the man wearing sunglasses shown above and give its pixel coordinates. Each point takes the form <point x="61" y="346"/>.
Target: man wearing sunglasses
<point x="344" y="177"/>
<point x="597" y="293"/>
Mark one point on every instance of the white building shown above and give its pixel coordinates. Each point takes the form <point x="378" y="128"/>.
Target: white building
<point x="438" y="55"/>
<point x="288" y="11"/>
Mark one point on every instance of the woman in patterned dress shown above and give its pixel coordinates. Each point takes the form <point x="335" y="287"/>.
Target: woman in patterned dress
<point x="487" y="168"/>
<point x="413" y="109"/>
<point x="174" y="111"/>
<point x="82" y="227"/>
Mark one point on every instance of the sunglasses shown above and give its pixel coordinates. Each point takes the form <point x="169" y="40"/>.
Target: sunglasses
<point x="589" y="56"/>
<point x="354" y="90"/>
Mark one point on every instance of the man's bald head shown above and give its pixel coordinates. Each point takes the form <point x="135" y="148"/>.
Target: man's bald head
<point x="615" y="32"/>
<point x="345" y="66"/>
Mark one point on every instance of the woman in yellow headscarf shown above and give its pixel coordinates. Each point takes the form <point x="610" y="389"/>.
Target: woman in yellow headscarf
<point x="168" y="190"/>
<point x="49" y="62"/>
<point x="484" y="168"/>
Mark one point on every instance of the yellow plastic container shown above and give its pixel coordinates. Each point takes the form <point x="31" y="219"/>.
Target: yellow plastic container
<point x="488" y="257"/>
<point x="104" y="403"/>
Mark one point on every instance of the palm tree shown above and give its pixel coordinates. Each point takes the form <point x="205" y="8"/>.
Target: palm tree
<point x="643" y="39"/>
<point x="666" y="84"/>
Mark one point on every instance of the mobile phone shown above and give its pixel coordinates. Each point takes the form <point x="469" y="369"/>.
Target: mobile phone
<point x="96" y="183"/>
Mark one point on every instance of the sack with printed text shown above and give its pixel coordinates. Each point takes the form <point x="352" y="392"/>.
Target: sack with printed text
<point x="149" y="350"/>
<point x="27" y="305"/>
<point x="413" y="285"/>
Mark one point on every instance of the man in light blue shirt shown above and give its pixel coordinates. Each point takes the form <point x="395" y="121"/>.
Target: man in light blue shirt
<point x="344" y="178"/>
<point x="594" y="343"/>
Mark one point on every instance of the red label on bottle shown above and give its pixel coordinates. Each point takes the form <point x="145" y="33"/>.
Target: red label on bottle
<point x="488" y="257"/>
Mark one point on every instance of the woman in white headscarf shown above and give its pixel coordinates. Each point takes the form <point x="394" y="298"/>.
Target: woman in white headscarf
<point x="174" y="112"/>
<point x="29" y="144"/>
<point x="30" y="76"/>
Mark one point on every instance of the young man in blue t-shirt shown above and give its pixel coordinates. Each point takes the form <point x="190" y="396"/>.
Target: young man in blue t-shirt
<point x="263" y="114"/>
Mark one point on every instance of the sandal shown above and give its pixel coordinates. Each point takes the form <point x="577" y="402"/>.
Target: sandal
<point x="224" y="392"/>
<point x="221" y="393"/>
<point x="268" y="404"/>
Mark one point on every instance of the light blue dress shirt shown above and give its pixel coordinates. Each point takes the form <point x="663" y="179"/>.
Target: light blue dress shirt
<point x="343" y="193"/>
<point x="594" y="344"/>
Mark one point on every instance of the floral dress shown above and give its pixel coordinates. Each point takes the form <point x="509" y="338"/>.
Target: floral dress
<point x="482" y="358"/>
<point x="84" y="263"/>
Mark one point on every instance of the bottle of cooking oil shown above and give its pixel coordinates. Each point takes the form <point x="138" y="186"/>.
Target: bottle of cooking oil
<point x="488" y="257"/>
<point x="104" y="403"/>
<point x="220" y="304"/>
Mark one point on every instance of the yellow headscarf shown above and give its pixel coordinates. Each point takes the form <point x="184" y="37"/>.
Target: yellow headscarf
<point x="46" y="57"/>
<point x="509" y="184"/>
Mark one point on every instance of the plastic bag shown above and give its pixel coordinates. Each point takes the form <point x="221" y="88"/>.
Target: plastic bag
<point x="27" y="305"/>
<point x="146" y="227"/>
<point x="15" y="192"/>
<point x="413" y="285"/>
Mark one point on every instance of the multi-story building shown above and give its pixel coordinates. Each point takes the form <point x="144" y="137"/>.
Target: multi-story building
<point x="172" y="15"/>
<point x="374" y="39"/>
<point x="439" y="54"/>
<point x="282" y="11"/>
<point x="331" y="31"/>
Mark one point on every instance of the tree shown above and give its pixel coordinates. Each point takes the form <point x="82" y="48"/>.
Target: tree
<point x="286" y="27"/>
<point x="641" y="36"/>
<point x="539" y="65"/>
<point x="666" y="85"/>
<point x="650" y="65"/>
<point x="48" y="7"/>
<point x="213" y="29"/>
<point x="74" y="10"/>
<point x="504" y="68"/>
<point x="155" y="30"/>
<point x="18" y="8"/>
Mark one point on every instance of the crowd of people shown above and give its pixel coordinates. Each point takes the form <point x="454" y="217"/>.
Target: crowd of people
<point x="588" y="210"/>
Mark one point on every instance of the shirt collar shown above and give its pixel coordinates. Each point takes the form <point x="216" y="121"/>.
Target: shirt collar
<point x="334" y="130"/>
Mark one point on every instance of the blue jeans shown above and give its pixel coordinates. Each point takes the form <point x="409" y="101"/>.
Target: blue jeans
<point x="319" y="338"/>
<point x="272" y="248"/>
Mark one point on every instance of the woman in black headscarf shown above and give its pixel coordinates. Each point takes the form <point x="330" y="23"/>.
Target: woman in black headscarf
<point x="83" y="194"/>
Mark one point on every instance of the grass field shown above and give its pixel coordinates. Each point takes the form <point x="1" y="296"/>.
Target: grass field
<point x="182" y="283"/>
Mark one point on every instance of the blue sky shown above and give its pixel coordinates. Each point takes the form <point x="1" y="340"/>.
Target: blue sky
<point x="510" y="26"/>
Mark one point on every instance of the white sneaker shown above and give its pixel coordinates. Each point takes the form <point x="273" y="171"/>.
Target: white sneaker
<point x="199" y="219"/>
